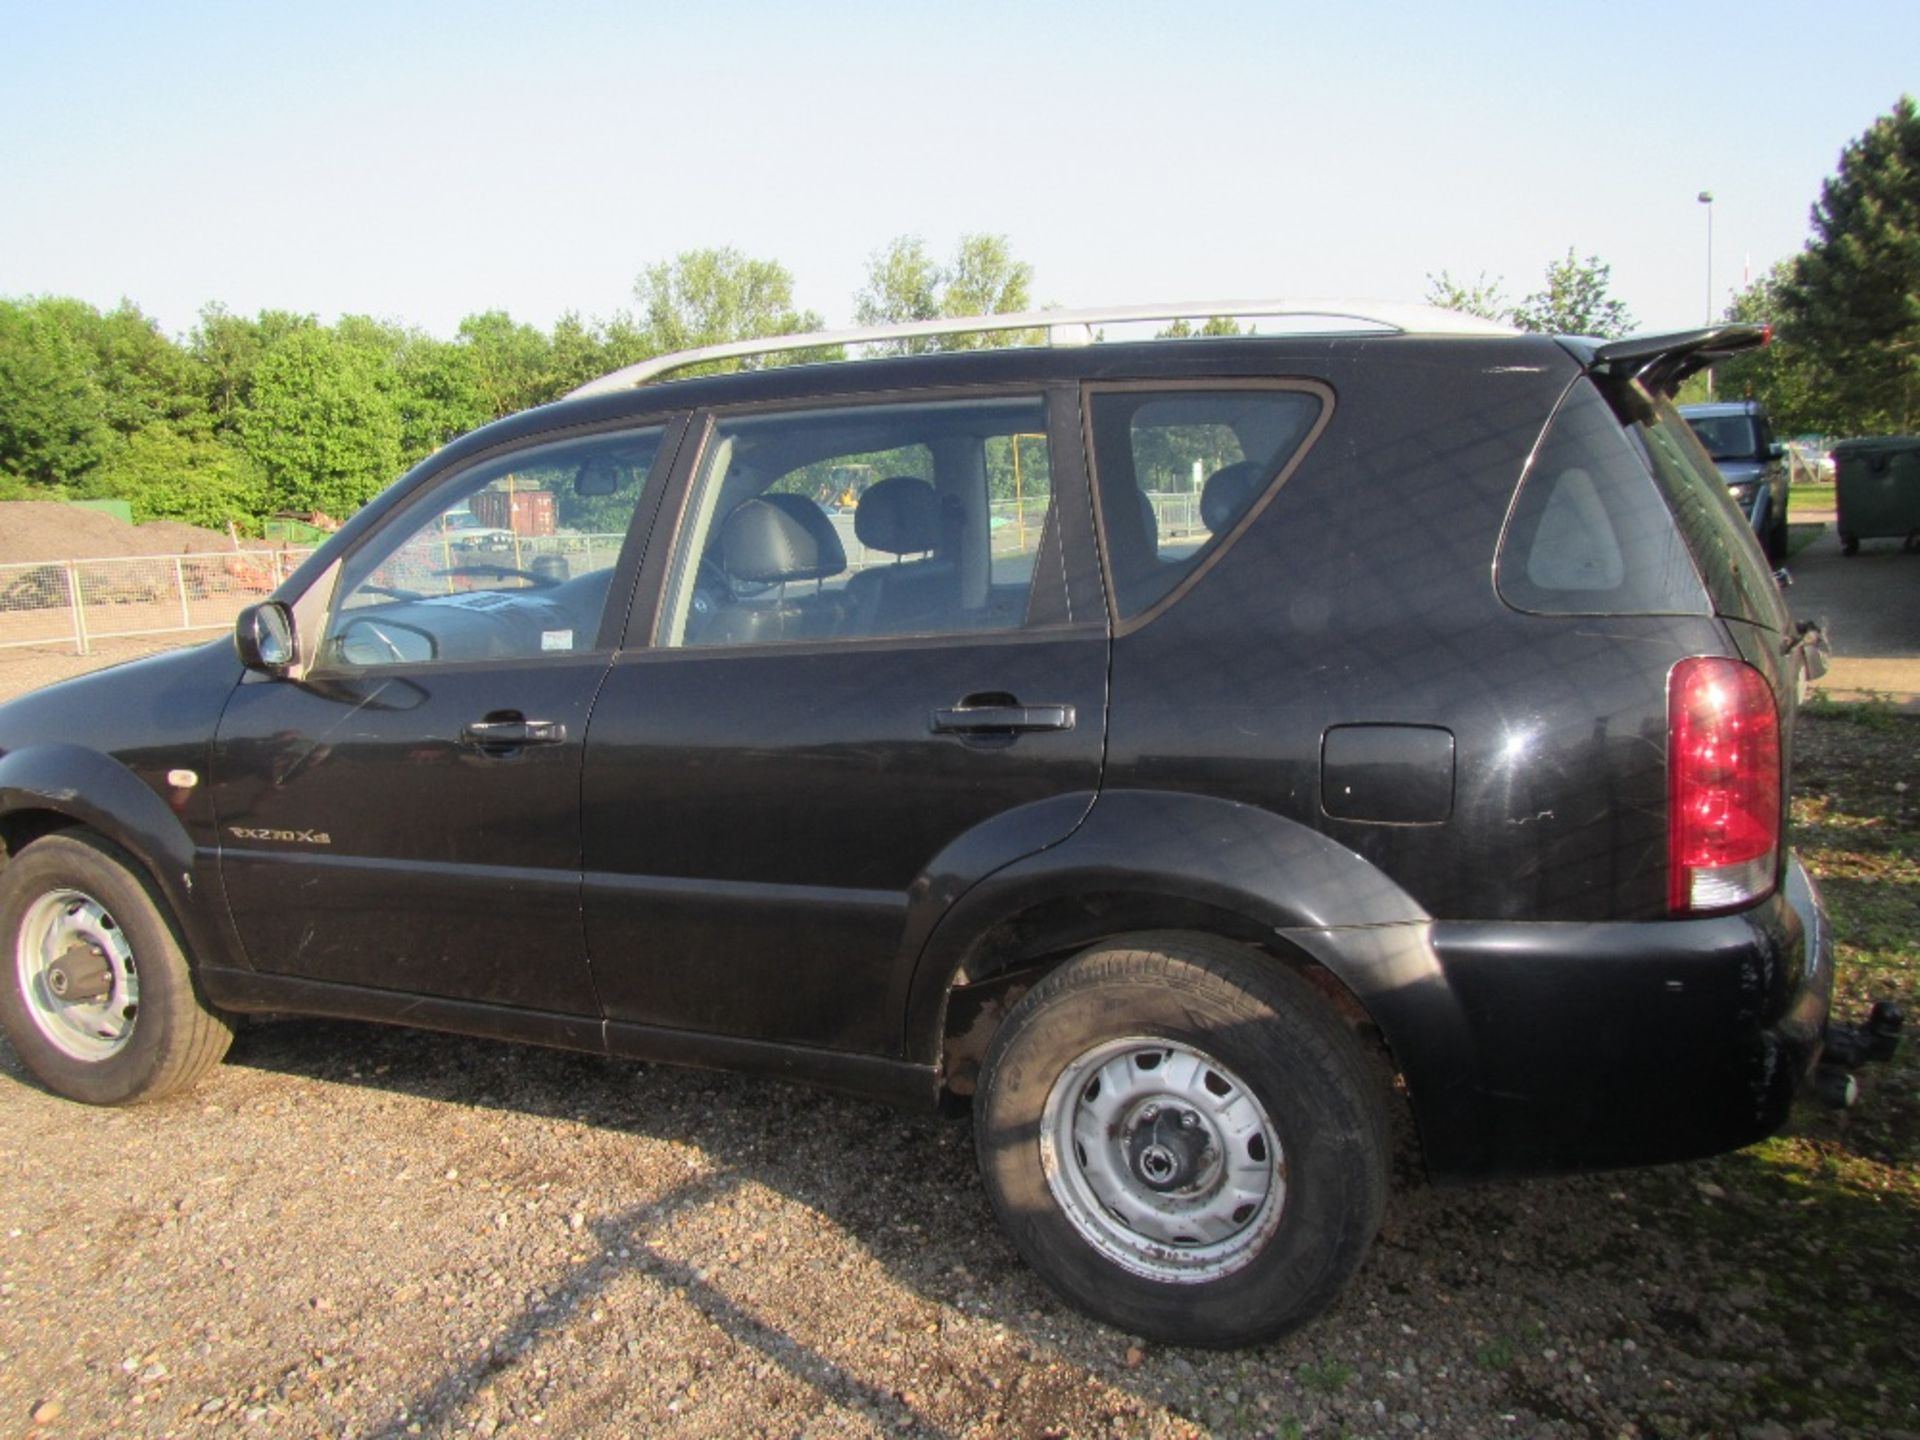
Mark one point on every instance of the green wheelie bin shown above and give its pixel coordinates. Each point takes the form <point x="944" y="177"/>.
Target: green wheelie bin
<point x="1877" y="490"/>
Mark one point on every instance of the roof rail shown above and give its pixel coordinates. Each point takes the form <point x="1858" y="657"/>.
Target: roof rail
<point x="1065" y="328"/>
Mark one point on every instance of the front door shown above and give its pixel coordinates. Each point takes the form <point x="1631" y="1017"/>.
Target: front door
<point x="407" y="815"/>
<point x="875" y="670"/>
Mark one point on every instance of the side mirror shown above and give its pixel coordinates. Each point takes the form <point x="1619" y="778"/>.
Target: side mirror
<point x="263" y="636"/>
<point x="1777" y="450"/>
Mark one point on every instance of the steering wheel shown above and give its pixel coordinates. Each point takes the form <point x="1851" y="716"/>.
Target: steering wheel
<point x="502" y="572"/>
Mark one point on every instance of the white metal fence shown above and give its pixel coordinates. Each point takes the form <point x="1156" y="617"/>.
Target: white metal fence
<point x="75" y="602"/>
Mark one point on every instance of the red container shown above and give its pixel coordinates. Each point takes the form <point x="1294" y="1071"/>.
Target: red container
<point x="524" y="512"/>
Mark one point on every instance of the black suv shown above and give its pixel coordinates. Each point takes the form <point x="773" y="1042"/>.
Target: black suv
<point x="1739" y="437"/>
<point x="1186" y="753"/>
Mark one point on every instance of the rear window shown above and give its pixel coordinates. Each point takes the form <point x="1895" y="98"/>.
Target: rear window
<point x="1590" y="533"/>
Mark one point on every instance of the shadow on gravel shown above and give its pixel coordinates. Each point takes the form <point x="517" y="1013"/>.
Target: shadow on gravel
<point x="903" y="1187"/>
<point x="626" y="1234"/>
<point x="1695" y="1299"/>
<point x="1471" y="1286"/>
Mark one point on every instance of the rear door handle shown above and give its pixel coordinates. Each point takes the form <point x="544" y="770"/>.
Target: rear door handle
<point x="1001" y="719"/>
<point x="499" y="734"/>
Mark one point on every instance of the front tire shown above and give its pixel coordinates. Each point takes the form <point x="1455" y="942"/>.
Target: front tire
<point x="95" y="993"/>
<point x="1184" y="1140"/>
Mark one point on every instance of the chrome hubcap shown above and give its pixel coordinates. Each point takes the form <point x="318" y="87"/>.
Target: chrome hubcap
<point x="1163" y="1160"/>
<point x="77" y="973"/>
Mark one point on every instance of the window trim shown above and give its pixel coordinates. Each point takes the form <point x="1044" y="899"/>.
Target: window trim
<point x="641" y="635"/>
<point x="1218" y="547"/>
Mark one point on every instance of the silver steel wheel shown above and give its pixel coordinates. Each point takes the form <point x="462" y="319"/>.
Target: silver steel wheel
<point x="1163" y="1160"/>
<point x="77" y="975"/>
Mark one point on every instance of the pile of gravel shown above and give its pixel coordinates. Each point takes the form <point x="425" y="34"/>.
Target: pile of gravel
<point x="41" y="530"/>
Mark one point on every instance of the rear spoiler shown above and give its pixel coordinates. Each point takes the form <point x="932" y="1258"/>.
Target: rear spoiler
<point x="1661" y="362"/>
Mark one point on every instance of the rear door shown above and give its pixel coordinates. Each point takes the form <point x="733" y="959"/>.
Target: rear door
<point x="830" y="720"/>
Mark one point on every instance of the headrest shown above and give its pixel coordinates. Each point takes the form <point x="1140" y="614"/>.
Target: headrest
<point x="777" y="538"/>
<point x="1149" y="523"/>
<point x="1227" y="494"/>
<point x="900" y="515"/>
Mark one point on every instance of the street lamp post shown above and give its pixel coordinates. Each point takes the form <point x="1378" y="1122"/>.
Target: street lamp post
<point x="1706" y="199"/>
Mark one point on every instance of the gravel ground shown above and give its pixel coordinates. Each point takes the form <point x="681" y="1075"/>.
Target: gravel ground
<point x="358" y="1231"/>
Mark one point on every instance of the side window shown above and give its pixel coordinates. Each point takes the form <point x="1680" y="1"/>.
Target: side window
<point x="513" y="559"/>
<point x="1178" y="470"/>
<point x="862" y="520"/>
<point x="1589" y="533"/>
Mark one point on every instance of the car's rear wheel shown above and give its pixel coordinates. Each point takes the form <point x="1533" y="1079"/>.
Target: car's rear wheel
<point x="1184" y="1140"/>
<point x="96" y="996"/>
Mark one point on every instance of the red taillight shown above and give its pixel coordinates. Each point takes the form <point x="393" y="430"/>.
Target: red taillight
<point x="1723" y="786"/>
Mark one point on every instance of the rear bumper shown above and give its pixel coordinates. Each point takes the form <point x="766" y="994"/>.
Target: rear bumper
<point x="1578" y="1046"/>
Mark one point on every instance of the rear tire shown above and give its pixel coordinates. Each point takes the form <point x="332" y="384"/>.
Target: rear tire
<point x="95" y="992"/>
<point x="1777" y="540"/>
<point x="1849" y="544"/>
<point x="1184" y="1140"/>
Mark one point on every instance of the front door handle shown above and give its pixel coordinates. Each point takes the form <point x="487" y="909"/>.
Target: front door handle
<point x="502" y="734"/>
<point x="966" y="719"/>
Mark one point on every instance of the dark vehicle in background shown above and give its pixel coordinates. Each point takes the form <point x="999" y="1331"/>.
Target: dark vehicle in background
<point x="1194" y="756"/>
<point x="1739" y="437"/>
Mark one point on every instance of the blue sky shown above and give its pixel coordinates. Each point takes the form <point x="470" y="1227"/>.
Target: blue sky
<point x="418" y="162"/>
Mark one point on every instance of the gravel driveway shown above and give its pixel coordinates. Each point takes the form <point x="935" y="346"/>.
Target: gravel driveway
<point x="354" y="1230"/>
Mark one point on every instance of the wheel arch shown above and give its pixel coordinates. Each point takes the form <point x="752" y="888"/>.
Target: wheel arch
<point x="1146" y="861"/>
<point x="45" y="789"/>
<point x="1162" y="861"/>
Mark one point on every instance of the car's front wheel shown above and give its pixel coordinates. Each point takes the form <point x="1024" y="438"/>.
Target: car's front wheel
<point x="1184" y="1140"/>
<point x="96" y="996"/>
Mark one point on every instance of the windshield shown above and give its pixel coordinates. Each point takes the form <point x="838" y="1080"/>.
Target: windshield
<point x="1726" y="437"/>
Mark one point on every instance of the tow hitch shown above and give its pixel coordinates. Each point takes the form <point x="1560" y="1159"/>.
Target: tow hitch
<point x="1850" y="1046"/>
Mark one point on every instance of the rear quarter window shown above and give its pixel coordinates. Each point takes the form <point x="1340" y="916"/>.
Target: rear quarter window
<point x="1181" y="471"/>
<point x="1590" y="532"/>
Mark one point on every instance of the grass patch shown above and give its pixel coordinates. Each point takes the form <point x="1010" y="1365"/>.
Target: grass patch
<point x="1804" y="498"/>
<point x="1328" y="1377"/>
<point x="1822" y="1223"/>
<point x="1876" y="712"/>
<point x="1800" y="536"/>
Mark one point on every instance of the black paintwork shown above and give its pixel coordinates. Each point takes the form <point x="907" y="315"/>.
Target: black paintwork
<point x="1338" y="745"/>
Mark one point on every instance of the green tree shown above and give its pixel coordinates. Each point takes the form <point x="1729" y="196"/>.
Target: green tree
<point x="510" y="363"/>
<point x="905" y="283"/>
<point x="52" y="413"/>
<point x="227" y="347"/>
<point x="708" y="297"/>
<point x="167" y="475"/>
<point x="319" y="425"/>
<point x="1853" y="301"/>
<point x="1778" y="375"/>
<point x="1479" y="296"/>
<point x="142" y="375"/>
<point x="584" y="350"/>
<point x="1574" y="301"/>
